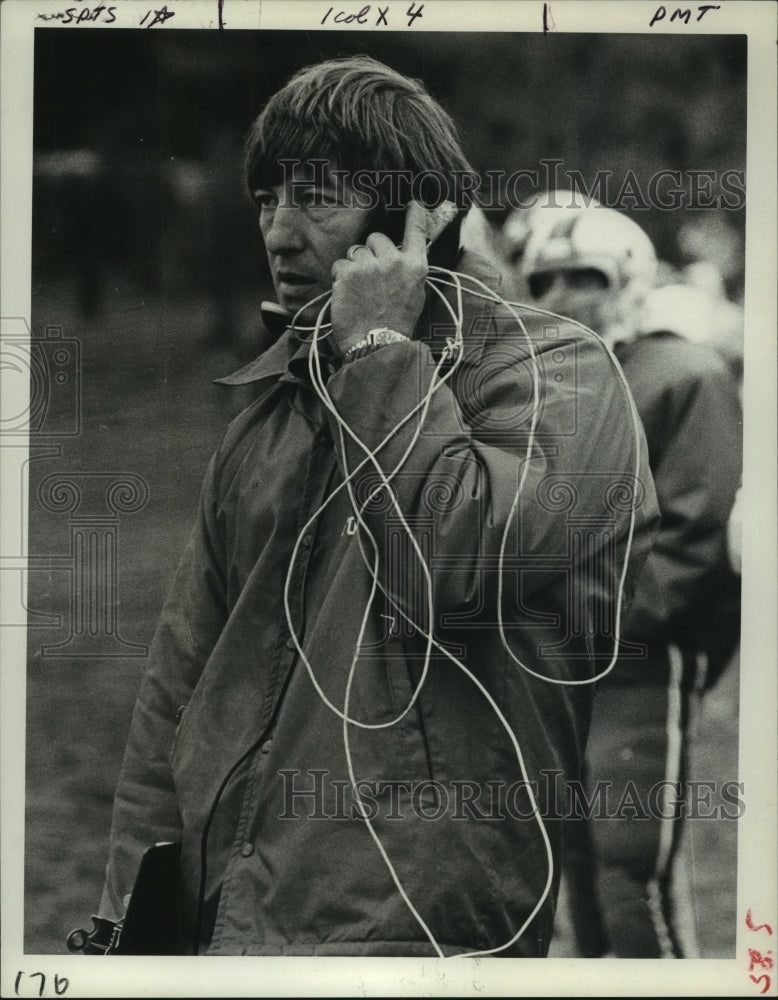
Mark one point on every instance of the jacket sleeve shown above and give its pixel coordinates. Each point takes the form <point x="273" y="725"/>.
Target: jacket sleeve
<point x="689" y="592"/>
<point x="145" y="806"/>
<point x="473" y="454"/>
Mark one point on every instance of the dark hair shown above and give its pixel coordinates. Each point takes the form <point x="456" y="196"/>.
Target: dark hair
<point x="360" y="114"/>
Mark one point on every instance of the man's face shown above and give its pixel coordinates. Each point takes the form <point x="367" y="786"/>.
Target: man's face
<point x="307" y="222"/>
<point x="582" y="294"/>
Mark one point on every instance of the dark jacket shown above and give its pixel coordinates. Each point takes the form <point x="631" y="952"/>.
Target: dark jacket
<point x="255" y="777"/>
<point x="689" y="405"/>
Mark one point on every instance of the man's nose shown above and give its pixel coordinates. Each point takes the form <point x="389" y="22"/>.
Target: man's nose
<point x="283" y="232"/>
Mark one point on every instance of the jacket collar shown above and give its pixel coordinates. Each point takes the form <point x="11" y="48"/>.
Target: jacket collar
<point x="273" y="363"/>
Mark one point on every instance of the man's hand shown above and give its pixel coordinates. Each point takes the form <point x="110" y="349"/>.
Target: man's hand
<point x="382" y="285"/>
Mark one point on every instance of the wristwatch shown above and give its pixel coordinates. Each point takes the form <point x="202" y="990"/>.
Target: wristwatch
<point x="376" y="338"/>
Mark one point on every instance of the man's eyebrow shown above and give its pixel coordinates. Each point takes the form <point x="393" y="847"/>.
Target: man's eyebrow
<point x="326" y="188"/>
<point x="326" y="185"/>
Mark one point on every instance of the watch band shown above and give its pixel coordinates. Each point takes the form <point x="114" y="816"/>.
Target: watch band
<point x="374" y="339"/>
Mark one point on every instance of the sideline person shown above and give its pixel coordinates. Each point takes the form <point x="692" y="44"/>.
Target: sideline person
<point x="630" y="894"/>
<point x="407" y="567"/>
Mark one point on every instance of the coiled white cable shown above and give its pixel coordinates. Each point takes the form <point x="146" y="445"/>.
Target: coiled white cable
<point x="437" y="278"/>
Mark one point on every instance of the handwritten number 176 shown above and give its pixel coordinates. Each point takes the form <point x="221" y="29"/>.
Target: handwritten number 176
<point x="60" y="983"/>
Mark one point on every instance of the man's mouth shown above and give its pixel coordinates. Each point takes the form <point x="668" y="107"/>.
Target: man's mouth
<point x="293" y="281"/>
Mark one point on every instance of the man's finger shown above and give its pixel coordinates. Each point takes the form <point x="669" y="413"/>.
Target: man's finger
<point x="380" y="245"/>
<point x="415" y="234"/>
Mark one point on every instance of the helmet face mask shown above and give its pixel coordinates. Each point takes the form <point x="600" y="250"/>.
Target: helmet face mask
<point x="579" y="279"/>
<point x="583" y="294"/>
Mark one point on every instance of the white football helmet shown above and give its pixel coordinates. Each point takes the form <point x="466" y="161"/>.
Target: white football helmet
<point x="521" y="222"/>
<point x="592" y="264"/>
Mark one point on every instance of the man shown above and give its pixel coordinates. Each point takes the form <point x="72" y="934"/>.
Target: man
<point x="597" y="266"/>
<point x="335" y="708"/>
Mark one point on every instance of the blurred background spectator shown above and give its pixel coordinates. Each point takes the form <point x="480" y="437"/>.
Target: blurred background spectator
<point x="631" y="893"/>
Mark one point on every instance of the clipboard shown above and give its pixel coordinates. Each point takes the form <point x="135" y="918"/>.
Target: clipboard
<point x="151" y="924"/>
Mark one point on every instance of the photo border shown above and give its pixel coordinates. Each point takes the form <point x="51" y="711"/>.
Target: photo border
<point x="757" y="880"/>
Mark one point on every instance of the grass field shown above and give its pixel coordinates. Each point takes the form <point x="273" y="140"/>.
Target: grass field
<point x="149" y="409"/>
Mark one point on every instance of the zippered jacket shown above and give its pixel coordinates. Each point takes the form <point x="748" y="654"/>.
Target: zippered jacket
<point x="439" y="578"/>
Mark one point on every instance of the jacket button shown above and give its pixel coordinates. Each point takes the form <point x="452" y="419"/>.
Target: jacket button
<point x="265" y="748"/>
<point x="290" y="644"/>
<point x="247" y="850"/>
<point x="307" y="541"/>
